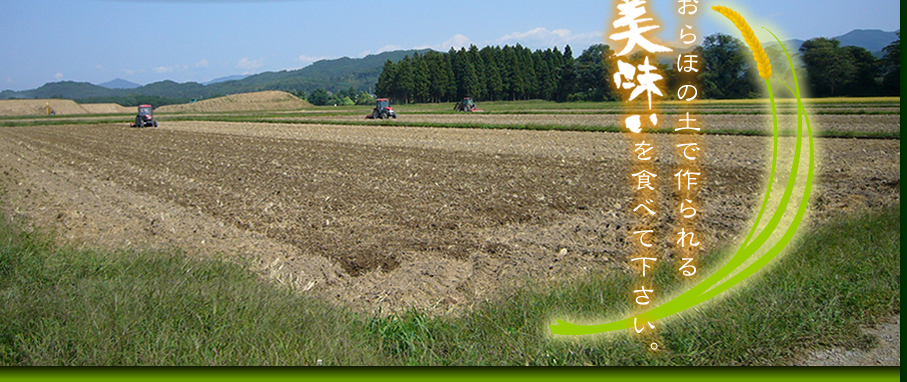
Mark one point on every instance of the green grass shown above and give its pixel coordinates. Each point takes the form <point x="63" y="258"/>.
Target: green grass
<point x="61" y="306"/>
<point x="841" y="277"/>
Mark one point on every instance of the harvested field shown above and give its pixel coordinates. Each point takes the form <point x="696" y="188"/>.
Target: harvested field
<point x="386" y="216"/>
<point x="267" y="100"/>
<point x="107" y="108"/>
<point x="26" y="107"/>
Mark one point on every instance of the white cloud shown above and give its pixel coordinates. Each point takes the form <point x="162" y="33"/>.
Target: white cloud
<point x="202" y="64"/>
<point x="162" y="69"/>
<point x="128" y="72"/>
<point x="386" y="48"/>
<point x="308" y="60"/>
<point x="248" y="65"/>
<point x="457" y="41"/>
<point x="58" y="76"/>
<point x="543" y="38"/>
<point x="10" y="80"/>
<point x="538" y="38"/>
<point x="389" y="48"/>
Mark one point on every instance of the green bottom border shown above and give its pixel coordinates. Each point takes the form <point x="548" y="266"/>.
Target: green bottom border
<point x="373" y="374"/>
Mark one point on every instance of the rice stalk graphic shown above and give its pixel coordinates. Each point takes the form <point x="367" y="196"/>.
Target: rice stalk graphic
<point x="762" y="63"/>
<point x="710" y="287"/>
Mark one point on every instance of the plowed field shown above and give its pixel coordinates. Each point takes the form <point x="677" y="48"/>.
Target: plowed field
<point x="387" y="216"/>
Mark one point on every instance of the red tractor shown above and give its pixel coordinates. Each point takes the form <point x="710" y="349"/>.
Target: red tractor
<point x="145" y="117"/>
<point x="382" y="110"/>
<point x="467" y="105"/>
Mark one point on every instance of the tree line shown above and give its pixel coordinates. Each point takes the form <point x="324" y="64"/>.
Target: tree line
<point x="726" y="71"/>
<point x="495" y="73"/>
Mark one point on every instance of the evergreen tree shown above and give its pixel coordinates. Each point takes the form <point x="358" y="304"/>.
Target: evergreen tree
<point x="494" y="86"/>
<point x="890" y="67"/>
<point x="421" y="78"/>
<point x="319" y="97"/>
<point x="384" y="87"/>
<point x="567" y="79"/>
<point x="404" y="81"/>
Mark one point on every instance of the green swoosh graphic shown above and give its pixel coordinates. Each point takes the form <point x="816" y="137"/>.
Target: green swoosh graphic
<point x="701" y="292"/>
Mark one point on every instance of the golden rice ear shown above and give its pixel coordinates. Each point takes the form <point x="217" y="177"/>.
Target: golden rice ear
<point x="765" y="67"/>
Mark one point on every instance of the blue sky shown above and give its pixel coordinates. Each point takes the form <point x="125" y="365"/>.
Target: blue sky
<point x="145" y="41"/>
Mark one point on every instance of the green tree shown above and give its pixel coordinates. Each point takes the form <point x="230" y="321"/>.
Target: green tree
<point x="319" y="97"/>
<point x="890" y="67"/>
<point x="516" y="73"/>
<point x="866" y="71"/>
<point x="728" y="70"/>
<point x="467" y="79"/>
<point x="364" y="98"/>
<point x="566" y="84"/>
<point x="478" y="64"/>
<point x="385" y="85"/>
<point x="594" y="69"/>
<point x="403" y="81"/>
<point x="546" y="67"/>
<point x="494" y="86"/>
<point x="421" y="79"/>
<point x="781" y="70"/>
<point x="829" y="67"/>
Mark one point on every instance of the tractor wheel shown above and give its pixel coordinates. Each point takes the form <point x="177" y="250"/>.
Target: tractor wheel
<point x="155" y="123"/>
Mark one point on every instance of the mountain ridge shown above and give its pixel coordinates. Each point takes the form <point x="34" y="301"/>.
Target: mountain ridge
<point x="343" y="73"/>
<point x="119" y="83"/>
<point x="332" y="75"/>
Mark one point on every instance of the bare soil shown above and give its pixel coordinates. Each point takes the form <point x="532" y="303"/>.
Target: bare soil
<point x="886" y="352"/>
<point x="390" y="217"/>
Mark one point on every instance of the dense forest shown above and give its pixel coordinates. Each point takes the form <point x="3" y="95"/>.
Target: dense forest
<point x="726" y="71"/>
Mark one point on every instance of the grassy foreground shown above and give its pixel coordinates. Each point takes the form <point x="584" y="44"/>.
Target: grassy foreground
<point x="60" y="306"/>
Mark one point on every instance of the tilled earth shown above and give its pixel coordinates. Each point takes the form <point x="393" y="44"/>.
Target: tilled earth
<point x="386" y="217"/>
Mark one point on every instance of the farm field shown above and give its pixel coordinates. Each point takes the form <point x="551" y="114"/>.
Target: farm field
<point x="391" y="216"/>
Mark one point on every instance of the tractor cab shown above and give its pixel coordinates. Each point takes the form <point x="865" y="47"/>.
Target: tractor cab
<point x="382" y="110"/>
<point x="145" y="117"/>
<point x="467" y="105"/>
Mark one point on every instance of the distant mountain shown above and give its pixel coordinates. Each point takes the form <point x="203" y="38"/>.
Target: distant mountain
<point x="873" y="40"/>
<point x="225" y="79"/>
<point x="792" y="46"/>
<point x="119" y="83"/>
<point x="332" y="75"/>
<point x="361" y="74"/>
<point x="64" y="89"/>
